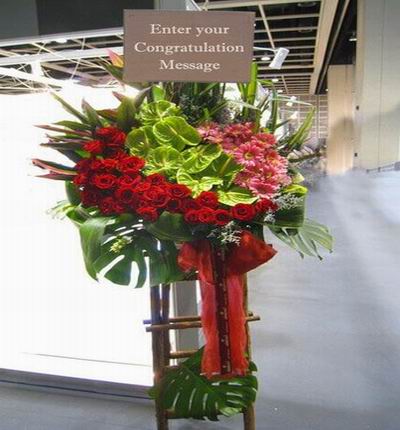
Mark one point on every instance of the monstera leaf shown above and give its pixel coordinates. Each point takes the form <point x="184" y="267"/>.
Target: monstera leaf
<point x="176" y="132"/>
<point x="200" y="157"/>
<point x="171" y="227"/>
<point x="187" y="394"/>
<point x="235" y="195"/>
<point x="156" y="111"/>
<point x="140" y="141"/>
<point x="305" y="239"/>
<point x="164" y="160"/>
<point x="197" y="185"/>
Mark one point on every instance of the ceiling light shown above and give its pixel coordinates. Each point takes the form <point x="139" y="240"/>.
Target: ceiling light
<point x="275" y="80"/>
<point x="265" y="58"/>
<point x="61" y="40"/>
<point x="280" y="91"/>
<point x="294" y="115"/>
<point x="353" y="39"/>
<point x="279" y="58"/>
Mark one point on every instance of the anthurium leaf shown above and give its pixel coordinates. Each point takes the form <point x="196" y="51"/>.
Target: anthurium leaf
<point x="197" y="185"/>
<point x="164" y="160"/>
<point x="223" y="167"/>
<point x="188" y="394"/>
<point x="126" y="114"/>
<point x="158" y="93"/>
<point x="156" y="111"/>
<point x="200" y="157"/>
<point x="176" y="132"/>
<point x="141" y="140"/>
<point x="235" y="195"/>
<point x="170" y="227"/>
<point x="92" y="235"/>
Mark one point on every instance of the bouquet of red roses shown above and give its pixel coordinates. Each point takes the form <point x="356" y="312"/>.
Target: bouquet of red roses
<point x="178" y="180"/>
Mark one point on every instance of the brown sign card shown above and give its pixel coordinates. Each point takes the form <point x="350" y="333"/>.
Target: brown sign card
<point x="188" y="46"/>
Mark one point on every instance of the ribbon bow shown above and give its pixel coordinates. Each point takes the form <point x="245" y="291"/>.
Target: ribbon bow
<point x="221" y="275"/>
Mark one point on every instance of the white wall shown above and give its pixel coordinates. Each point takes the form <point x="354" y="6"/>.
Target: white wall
<point x="378" y="89"/>
<point x="53" y="317"/>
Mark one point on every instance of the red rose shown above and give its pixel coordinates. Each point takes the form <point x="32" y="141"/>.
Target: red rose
<point x="90" y="197"/>
<point x="129" y="181"/>
<point x="156" y="179"/>
<point x="206" y="216"/>
<point x="131" y="164"/>
<point x="142" y="187"/>
<point x="179" y="191"/>
<point x="222" y="217"/>
<point x="112" y="136"/>
<point x="190" y="204"/>
<point x="104" y="181"/>
<point x="125" y="195"/>
<point x="107" y="206"/>
<point x="148" y="213"/>
<point x="208" y="198"/>
<point x="157" y="196"/>
<point x="243" y="212"/>
<point x="265" y="205"/>
<point x="81" y="179"/>
<point x="109" y="163"/>
<point x="96" y="164"/>
<point x="83" y="165"/>
<point x="192" y="216"/>
<point x="174" y="206"/>
<point x="94" y="147"/>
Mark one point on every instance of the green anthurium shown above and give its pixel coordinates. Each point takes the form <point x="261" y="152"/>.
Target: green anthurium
<point x="164" y="160"/>
<point x="223" y="167"/>
<point x="235" y="195"/>
<point x="200" y="157"/>
<point x="156" y="111"/>
<point x="176" y="132"/>
<point x="141" y="140"/>
<point x="197" y="185"/>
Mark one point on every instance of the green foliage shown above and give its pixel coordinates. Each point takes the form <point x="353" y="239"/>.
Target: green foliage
<point x="297" y="139"/>
<point x="126" y="114"/>
<point x="170" y="226"/>
<point x="200" y="157"/>
<point x="92" y="116"/>
<point x="235" y="195"/>
<point x="141" y="140"/>
<point x="188" y="394"/>
<point x="164" y="160"/>
<point x="197" y="185"/>
<point x="223" y="167"/>
<point x="154" y="112"/>
<point x="305" y="239"/>
<point x="176" y="132"/>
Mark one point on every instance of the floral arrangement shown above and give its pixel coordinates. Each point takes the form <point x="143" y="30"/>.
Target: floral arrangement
<point x="182" y="180"/>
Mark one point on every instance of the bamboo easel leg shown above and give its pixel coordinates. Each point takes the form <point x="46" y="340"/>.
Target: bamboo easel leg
<point x="159" y="352"/>
<point x="249" y="417"/>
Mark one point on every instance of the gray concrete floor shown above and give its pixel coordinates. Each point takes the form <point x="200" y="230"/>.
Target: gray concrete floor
<point x="328" y="346"/>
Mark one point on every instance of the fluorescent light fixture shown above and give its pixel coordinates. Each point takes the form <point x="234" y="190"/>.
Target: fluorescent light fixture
<point x="279" y="58"/>
<point x="280" y="91"/>
<point x="265" y="58"/>
<point x="353" y="39"/>
<point x="275" y="80"/>
<point x="61" y="40"/>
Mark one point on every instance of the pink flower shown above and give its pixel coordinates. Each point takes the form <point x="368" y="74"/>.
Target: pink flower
<point x="248" y="154"/>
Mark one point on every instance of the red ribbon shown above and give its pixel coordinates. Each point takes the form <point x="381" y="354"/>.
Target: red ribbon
<point x="239" y="259"/>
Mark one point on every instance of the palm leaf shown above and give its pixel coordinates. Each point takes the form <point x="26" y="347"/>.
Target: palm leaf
<point x="188" y="394"/>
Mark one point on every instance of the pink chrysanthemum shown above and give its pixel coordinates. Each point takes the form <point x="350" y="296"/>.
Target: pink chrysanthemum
<point x="248" y="154"/>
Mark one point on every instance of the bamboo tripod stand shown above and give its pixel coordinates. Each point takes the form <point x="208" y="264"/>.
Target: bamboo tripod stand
<point x="160" y="326"/>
